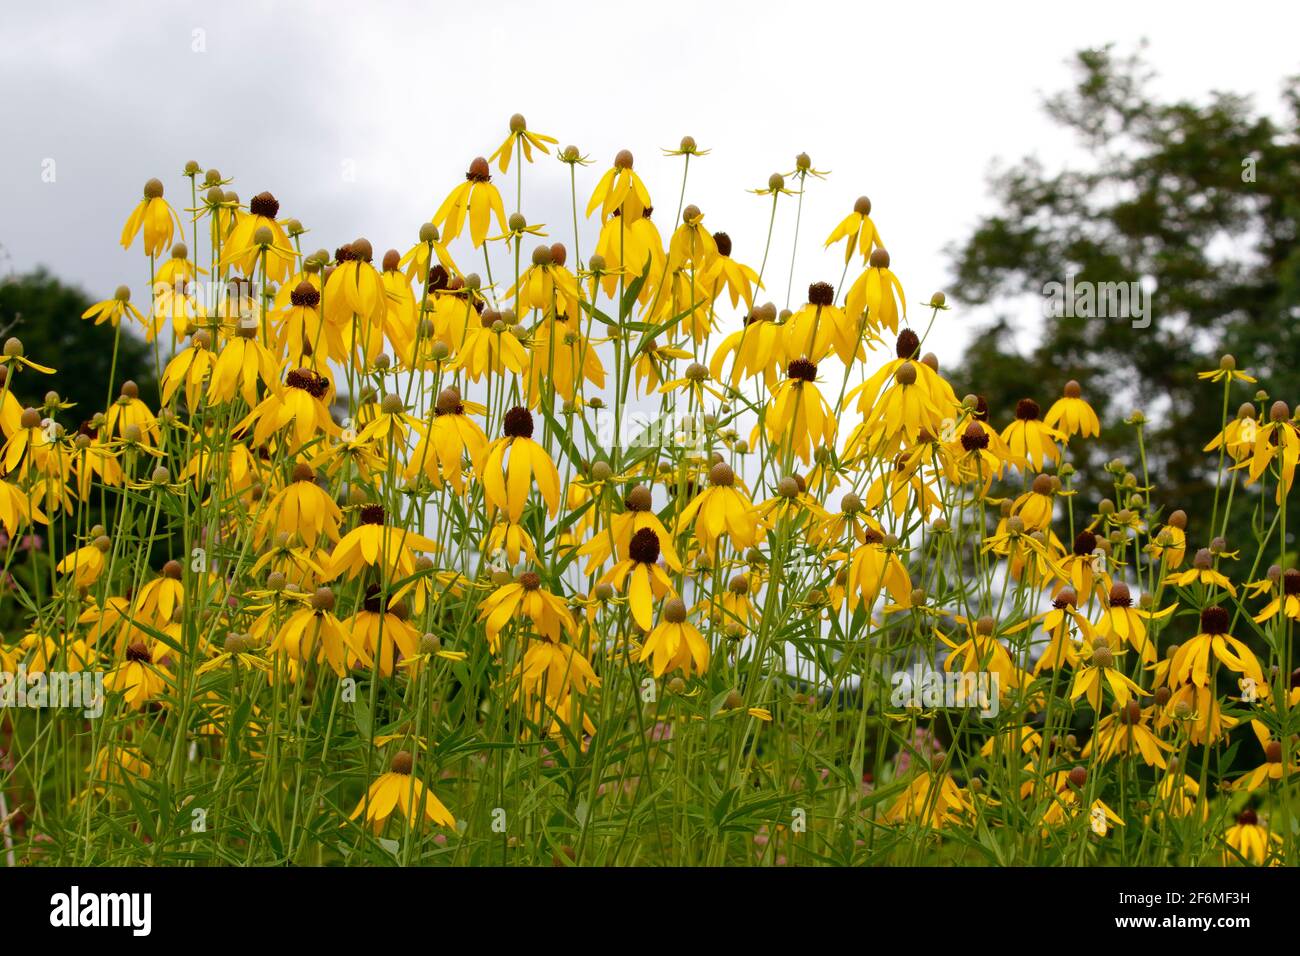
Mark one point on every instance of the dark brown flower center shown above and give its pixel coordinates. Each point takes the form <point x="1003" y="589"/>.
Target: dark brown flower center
<point x="264" y="204"/>
<point x="518" y="423"/>
<point x="1214" y="620"/>
<point x="1027" y="410"/>
<point x="372" y="514"/>
<point x="723" y="242"/>
<point x="1085" y="542"/>
<point x="908" y="344"/>
<point x="308" y="381"/>
<point x="644" y="547"/>
<point x="803" y="370"/>
<point x="821" y="293"/>
<point x="304" y="293"/>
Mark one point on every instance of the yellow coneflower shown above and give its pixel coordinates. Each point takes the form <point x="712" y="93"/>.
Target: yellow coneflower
<point x="381" y="630"/>
<point x="1286" y="603"/>
<point x="296" y="406"/>
<point x="507" y="482"/>
<point x="526" y="141"/>
<point x="1071" y="415"/>
<point x="190" y="368"/>
<point x="1099" y="671"/>
<point x="640" y="577"/>
<point x="1170" y="544"/>
<point x="115" y="309"/>
<point x="303" y="509"/>
<point x="1273" y="767"/>
<point x="87" y="563"/>
<point x="618" y="537"/>
<point x="798" y="416"/>
<point x="526" y="598"/>
<point x="1250" y="841"/>
<point x="620" y="190"/>
<point x="877" y="295"/>
<point x="738" y="279"/>
<point x="242" y="363"/>
<point x="399" y="789"/>
<point x="130" y="412"/>
<point x="373" y="544"/>
<point x="859" y="230"/>
<point x="1126" y="732"/>
<point x="674" y="644"/>
<point x="759" y="348"/>
<point x="313" y="633"/>
<point x="257" y="236"/>
<point x="1031" y="439"/>
<point x="1227" y="371"/>
<point x="1121" y="622"/>
<point x="17" y="509"/>
<point x="137" y="678"/>
<point x="451" y="438"/>
<point x="1191" y="662"/>
<point x="478" y="198"/>
<point x="721" y="509"/>
<point x="981" y="651"/>
<point x="156" y="217"/>
<point x="821" y="327"/>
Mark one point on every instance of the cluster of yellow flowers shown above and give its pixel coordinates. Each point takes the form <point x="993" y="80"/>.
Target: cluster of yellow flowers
<point x="392" y="468"/>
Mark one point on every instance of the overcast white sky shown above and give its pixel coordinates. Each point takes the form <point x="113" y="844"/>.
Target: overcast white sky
<point x="907" y="103"/>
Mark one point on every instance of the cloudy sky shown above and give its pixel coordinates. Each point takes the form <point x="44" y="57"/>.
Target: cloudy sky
<point x="361" y="117"/>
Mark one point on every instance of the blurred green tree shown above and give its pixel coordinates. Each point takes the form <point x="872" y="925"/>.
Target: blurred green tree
<point x="45" y="314"/>
<point x="1199" y="202"/>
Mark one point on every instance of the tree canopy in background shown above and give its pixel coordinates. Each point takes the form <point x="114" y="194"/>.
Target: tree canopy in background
<point x="1199" y="200"/>
<point x="45" y="314"/>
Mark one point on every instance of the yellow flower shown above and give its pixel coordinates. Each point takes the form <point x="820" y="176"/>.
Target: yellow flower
<point x="155" y="217"/>
<point x="1099" y="671"/>
<point x="372" y="544"/>
<point x="355" y="288"/>
<point x="302" y="509"/>
<point x="453" y="436"/>
<point x="85" y="564"/>
<point x="620" y="190"/>
<point x="138" y="679"/>
<point x="313" y="633"/>
<point x="759" y="348"/>
<point x="1126" y="732"/>
<point x="739" y="279"/>
<point x="476" y="196"/>
<point x="878" y="293"/>
<point x="1031" y="439"/>
<point x="190" y="368"/>
<point x="640" y="577"/>
<point x="1227" y="371"/>
<point x="400" y="790"/>
<point x="618" y="537"/>
<point x="1251" y="842"/>
<point x="296" y="406"/>
<point x="257" y="235"/>
<point x="506" y="484"/>
<point x="115" y="309"/>
<point x="525" y="597"/>
<point x="1071" y="415"/>
<point x="722" y="508"/>
<point x="242" y="362"/>
<point x="932" y="799"/>
<point x="798" y="417"/>
<point x="1192" y="660"/>
<point x="1273" y="767"/>
<point x="526" y="140"/>
<point x="675" y="644"/>
<point x="859" y="230"/>
<point x="1287" y="603"/>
